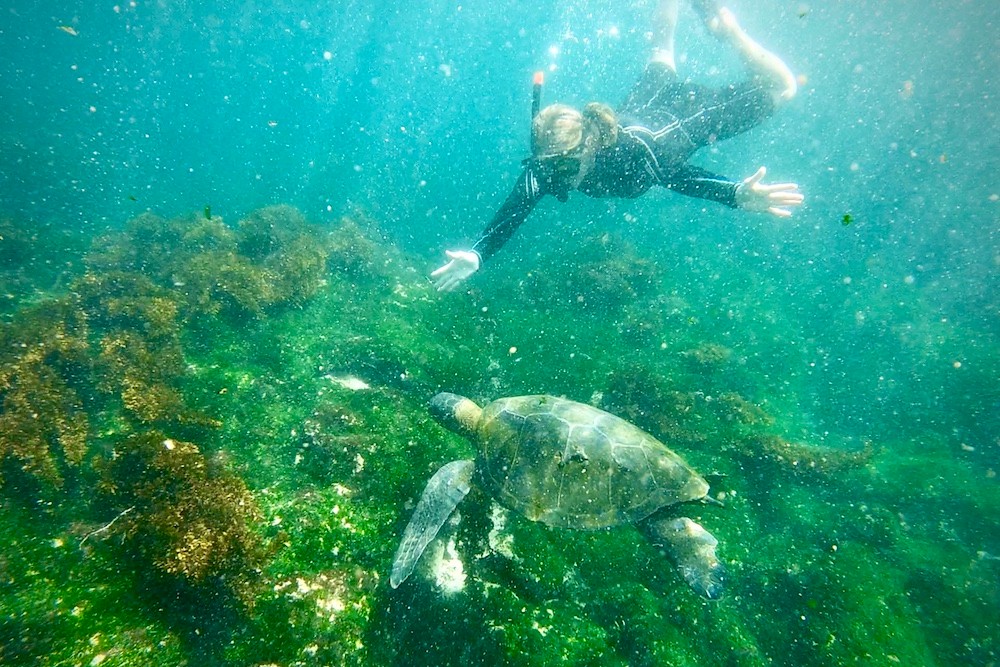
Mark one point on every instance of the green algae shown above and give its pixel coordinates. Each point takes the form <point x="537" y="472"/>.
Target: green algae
<point x="62" y="607"/>
<point x="880" y="554"/>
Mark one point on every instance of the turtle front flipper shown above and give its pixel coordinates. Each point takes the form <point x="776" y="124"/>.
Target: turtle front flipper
<point x="443" y="492"/>
<point x="692" y="549"/>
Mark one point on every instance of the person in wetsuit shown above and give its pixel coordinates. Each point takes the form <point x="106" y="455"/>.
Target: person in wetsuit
<point x="647" y="141"/>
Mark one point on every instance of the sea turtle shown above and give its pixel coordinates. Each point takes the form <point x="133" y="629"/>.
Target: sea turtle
<point x="568" y="465"/>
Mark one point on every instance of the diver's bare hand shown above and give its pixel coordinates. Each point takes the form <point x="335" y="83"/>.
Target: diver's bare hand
<point x="462" y="265"/>
<point x="776" y="199"/>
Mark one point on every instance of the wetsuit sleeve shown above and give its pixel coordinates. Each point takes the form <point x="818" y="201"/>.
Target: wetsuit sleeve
<point x="515" y="210"/>
<point x="697" y="182"/>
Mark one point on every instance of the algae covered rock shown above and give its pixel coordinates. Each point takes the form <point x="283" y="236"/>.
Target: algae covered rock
<point x="183" y="513"/>
<point x="43" y="423"/>
<point x="273" y="257"/>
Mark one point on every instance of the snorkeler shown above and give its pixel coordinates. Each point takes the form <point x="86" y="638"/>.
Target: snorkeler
<point x="607" y="153"/>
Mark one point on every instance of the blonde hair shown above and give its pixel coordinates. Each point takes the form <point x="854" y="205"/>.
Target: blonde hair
<point x="559" y="129"/>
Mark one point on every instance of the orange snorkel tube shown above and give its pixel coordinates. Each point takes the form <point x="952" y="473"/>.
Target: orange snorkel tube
<point x="536" y="102"/>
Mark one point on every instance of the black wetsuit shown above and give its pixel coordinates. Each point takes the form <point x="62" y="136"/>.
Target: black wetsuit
<point x="662" y="122"/>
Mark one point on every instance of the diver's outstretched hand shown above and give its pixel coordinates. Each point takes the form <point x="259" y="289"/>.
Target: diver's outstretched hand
<point x="462" y="265"/>
<point x="776" y="199"/>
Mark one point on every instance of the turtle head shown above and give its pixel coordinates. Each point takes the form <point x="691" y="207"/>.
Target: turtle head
<point x="455" y="412"/>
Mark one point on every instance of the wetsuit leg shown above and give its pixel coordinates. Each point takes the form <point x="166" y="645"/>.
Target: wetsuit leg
<point x="656" y="84"/>
<point x="708" y="115"/>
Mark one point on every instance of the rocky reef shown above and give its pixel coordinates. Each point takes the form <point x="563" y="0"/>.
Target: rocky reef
<point x="213" y="435"/>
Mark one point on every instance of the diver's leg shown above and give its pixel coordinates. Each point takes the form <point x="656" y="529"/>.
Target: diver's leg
<point x="767" y="68"/>
<point x="661" y="71"/>
<point x="664" y="27"/>
<point x="708" y="10"/>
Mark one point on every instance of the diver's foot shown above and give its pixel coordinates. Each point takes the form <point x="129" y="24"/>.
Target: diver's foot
<point x="724" y="26"/>
<point x="665" y="24"/>
<point x="665" y="57"/>
<point x="762" y="63"/>
<point x="707" y="10"/>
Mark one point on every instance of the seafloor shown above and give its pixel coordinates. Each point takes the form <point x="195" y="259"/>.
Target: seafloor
<point x="213" y="434"/>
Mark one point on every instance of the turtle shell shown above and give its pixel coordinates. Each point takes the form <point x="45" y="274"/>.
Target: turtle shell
<point x="571" y="465"/>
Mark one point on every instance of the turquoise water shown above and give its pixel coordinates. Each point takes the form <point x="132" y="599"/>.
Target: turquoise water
<point x="219" y="338"/>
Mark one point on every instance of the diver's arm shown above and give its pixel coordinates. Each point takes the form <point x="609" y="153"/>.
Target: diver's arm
<point x="776" y="198"/>
<point x="750" y="193"/>
<point x="515" y="210"/>
<point x="697" y="182"/>
<point x="461" y="264"/>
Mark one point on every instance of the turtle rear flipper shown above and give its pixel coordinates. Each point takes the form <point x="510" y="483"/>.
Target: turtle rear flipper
<point x="692" y="549"/>
<point x="443" y="492"/>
